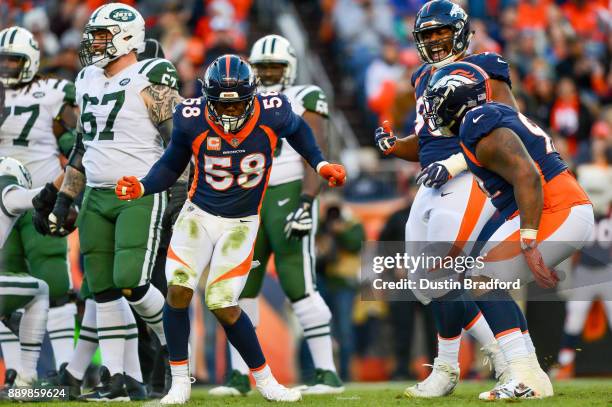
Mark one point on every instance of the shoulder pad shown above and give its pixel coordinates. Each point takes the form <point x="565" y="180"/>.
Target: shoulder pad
<point x="478" y="123"/>
<point x="160" y="71"/>
<point x="493" y="64"/>
<point x="69" y="91"/>
<point x="314" y="100"/>
<point x="81" y="74"/>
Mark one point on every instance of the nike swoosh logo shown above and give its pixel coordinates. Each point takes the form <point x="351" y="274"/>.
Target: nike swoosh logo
<point x="501" y="61"/>
<point x="283" y="201"/>
<point x="521" y="393"/>
<point x="476" y="119"/>
<point x="444" y="194"/>
<point x="245" y="221"/>
<point x="170" y="69"/>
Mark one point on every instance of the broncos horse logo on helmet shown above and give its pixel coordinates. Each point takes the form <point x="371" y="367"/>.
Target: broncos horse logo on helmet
<point x="452" y="91"/>
<point x="438" y="15"/>
<point x="229" y="87"/>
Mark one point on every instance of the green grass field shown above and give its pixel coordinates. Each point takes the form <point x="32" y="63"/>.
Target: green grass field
<point x="579" y="393"/>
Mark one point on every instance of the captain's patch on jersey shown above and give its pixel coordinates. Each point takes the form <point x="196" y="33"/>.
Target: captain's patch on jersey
<point x="213" y="143"/>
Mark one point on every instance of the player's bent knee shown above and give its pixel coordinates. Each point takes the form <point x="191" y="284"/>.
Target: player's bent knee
<point x="179" y="296"/>
<point x="227" y="316"/>
<point x="135" y="294"/>
<point x="312" y="311"/>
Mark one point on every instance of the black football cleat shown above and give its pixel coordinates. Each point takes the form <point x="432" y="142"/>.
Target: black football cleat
<point x="68" y="380"/>
<point x="136" y="391"/>
<point x="108" y="391"/>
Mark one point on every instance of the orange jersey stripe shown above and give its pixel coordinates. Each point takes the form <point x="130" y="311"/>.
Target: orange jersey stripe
<point x="273" y="138"/>
<point x="240" y="270"/>
<point x="473" y="321"/>
<point x="195" y="147"/>
<point x="507" y="332"/>
<point x="257" y="369"/>
<point x="476" y="203"/>
<point x="173" y="256"/>
<point x="470" y="156"/>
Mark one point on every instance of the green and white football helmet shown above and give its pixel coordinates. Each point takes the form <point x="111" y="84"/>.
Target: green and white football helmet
<point x="19" y="56"/>
<point x="12" y="167"/>
<point x="274" y="49"/>
<point x="127" y="33"/>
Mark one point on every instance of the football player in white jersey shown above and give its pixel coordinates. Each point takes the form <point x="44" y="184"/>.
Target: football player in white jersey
<point x="125" y="119"/>
<point x="21" y="290"/>
<point x="37" y="126"/>
<point x="289" y="223"/>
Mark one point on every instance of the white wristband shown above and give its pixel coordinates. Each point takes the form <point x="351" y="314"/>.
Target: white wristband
<point x="454" y="164"/>
<point x="321" y="165"/>
<point x="531" y="234"/>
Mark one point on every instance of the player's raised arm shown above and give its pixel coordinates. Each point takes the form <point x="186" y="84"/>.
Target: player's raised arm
<point x="406" y="148"/>
<point x="164" y="172"/>
<point x="300" y="137"/>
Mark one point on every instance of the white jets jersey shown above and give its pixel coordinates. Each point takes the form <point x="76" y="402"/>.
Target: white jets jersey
<point x="287" y="164"/>
<point x="27" y="131"/>
<point x="118" y="134"/>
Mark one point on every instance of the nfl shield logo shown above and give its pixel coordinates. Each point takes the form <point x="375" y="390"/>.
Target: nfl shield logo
<point x="213" y="143"/>
<point x="235" y="142"/>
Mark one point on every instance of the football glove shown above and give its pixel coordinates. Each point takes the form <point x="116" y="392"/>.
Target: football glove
<point x="433" y="176"/>
<point x="299" y="222"/>
<point x="129" y="188"/>
<point x="385" y="139"/>
<point x="335" y="174"/>
<point x="43" y="204"/>
<point x="57" y="218"/>
<point x="544" y="277"/>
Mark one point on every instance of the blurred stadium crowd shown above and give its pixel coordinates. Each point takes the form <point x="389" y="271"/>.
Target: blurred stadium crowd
<point x="560" y="54"/>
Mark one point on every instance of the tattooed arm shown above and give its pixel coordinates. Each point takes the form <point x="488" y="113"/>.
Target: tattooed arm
<point x="161" y="101"/>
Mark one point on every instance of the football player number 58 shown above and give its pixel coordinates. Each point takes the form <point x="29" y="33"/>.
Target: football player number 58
<point x="271" y="102"/>
<point x="251" y="171"/>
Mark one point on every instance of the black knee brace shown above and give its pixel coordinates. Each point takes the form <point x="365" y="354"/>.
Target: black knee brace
<point x="137" y="293"/>
<point x="109" y="295"/>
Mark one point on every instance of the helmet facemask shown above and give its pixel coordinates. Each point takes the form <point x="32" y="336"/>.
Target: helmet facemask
<point x="273" y="76"/>
<point x="445" y="48"/>
<point x="229" y="111"/>
<point x="97" y="47"/>
<point x="13" y="68"/>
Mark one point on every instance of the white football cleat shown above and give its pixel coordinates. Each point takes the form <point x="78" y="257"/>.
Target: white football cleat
<point x="541" y="381"/>
<point x="495" y="358"/>
<point x="271" y="390"/>
<point x="511" y="390"/>
<point x="180" y="391"/>
<point x="440" y="382"/>
<point x="25" y="381"/>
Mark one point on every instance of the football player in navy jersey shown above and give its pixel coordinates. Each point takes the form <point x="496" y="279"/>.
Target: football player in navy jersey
<point x="449" y="206"/>
<point x="231" y="132"/>
<point x="547" y="214"/>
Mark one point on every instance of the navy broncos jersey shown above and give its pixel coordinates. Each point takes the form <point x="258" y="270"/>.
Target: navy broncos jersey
<point x="433" y="146"/>
<point x="479" y="123"/>
<point x="232" y="169"/>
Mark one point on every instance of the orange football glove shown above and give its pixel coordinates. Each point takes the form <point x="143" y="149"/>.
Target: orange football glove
<point x="544" y="277"/>
<point x="335" y="174"/>
<point x="129" y="188"/>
